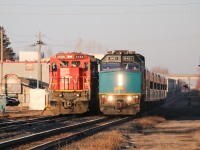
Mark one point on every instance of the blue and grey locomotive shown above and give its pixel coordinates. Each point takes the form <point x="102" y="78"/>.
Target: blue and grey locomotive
<point x="125" y="85"/>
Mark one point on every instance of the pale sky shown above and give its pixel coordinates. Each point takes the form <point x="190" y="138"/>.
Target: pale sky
<point x="166" y="32"/>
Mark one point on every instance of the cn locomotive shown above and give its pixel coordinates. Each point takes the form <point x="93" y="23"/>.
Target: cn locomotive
<point x="125" y="85"/>
<point x="73" y="83"/>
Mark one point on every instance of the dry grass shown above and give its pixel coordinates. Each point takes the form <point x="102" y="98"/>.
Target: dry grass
<point x="110" y="140"/>
<point x="15" y="112"/>
<point x="150" y="121"/>
<point x="25" y="114"/>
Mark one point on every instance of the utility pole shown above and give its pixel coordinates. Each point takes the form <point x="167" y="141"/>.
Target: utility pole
<point x="39" y="43"/>
<point x="39" y="59"/>
<point x="199" y="61"/>
<point x="199" y="81"/>
<point x="1" y="28"/>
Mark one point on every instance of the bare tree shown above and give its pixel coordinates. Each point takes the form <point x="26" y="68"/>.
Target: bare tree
<point x="161" y="70"/>
<point x="198" y="84"/>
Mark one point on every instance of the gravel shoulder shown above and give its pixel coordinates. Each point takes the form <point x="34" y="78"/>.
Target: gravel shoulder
<point x="180" y="130"/>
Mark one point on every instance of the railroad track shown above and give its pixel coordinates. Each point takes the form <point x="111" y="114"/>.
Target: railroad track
<point x="6" y="123"/>
<point x="174" y="98"/>
<point x="57" y="137"/>
<point x="167" y="102"/>
<point x="16" y="125"/>
<point x="61" y="135"/>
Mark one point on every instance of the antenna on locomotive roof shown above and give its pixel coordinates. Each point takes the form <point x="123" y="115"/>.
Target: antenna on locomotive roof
<point x="121" y="52"/>
<point x="131" y="52"/>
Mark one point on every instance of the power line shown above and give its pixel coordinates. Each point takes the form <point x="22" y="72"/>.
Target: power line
<point x="95" y="14"/>
<point x="100" y="5"/>
<point x="20" y="41"/>
<point x="16" y="35"/>
<point x="50" y="38"/>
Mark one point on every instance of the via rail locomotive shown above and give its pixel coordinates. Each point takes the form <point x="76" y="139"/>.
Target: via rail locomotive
<point x="125" y="85"/>
<point x="73" y="83"/>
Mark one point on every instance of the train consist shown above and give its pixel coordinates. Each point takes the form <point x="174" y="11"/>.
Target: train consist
<point x="125" y="85"/>
<point x="73" y="83"/>
<point x="174" y="85"/>
<point x="118" y="84"/>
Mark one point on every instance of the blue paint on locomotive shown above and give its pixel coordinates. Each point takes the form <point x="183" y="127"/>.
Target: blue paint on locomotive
<point x="120" y="82"/>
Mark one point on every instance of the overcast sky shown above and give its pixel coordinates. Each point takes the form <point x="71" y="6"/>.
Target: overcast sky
<point x="166" y="32"/>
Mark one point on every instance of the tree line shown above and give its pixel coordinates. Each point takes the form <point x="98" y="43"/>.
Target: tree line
<point x="8" y="53"/>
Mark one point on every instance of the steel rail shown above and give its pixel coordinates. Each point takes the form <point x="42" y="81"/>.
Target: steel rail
<point x="173" y="98"/>
<point x="79" y="135"/>
<point x="31" y="123"/>
<point x="9" y="123"/>
<point x="41" y="135"/>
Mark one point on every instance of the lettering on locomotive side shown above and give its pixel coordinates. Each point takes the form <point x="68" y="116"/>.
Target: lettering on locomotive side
<point x="70" y="56"/>
<point x="60" y="56"/>
<point x="119" y="88"/>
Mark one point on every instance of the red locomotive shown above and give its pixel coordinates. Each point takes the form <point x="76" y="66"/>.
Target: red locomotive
<point x="73" y="83"/>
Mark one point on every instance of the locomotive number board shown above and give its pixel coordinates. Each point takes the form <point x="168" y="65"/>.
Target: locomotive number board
<point x="113" y="58"/>
<point x="79" y="56"/>
<point x="128" y="58"/>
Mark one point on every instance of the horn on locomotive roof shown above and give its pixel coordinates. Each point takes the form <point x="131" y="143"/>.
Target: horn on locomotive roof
<point x="124" y="52"/>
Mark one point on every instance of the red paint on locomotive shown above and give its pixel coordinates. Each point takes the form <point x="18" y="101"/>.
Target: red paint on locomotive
<point x="73" y="83"/>
<point x="70" y="71"/>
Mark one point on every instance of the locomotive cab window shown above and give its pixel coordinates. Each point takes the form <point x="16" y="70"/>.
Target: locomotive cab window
<point x="64" y="63"/>
<point x="131" y="66"/>
<point x="54" y="67"/>
<point x="110" y="66"/>
<point x="75" y="63"/>
<point x="85" y="66"/>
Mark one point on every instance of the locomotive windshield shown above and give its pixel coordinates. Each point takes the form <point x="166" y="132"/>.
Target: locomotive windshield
<point x="111" y="66"/>
<point x="64" y="63"/>
<point x="117" y="66"/>
<point x="75" y="63"/>
<point x="131" y="66"/>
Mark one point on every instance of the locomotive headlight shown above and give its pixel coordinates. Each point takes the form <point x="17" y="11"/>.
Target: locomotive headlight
<point x="120" y="80"/>
<point x="129" y="98"/>
<point x="60" y="95"/>
<point x="78" y="95"/>
<point x="110" y="98"/>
